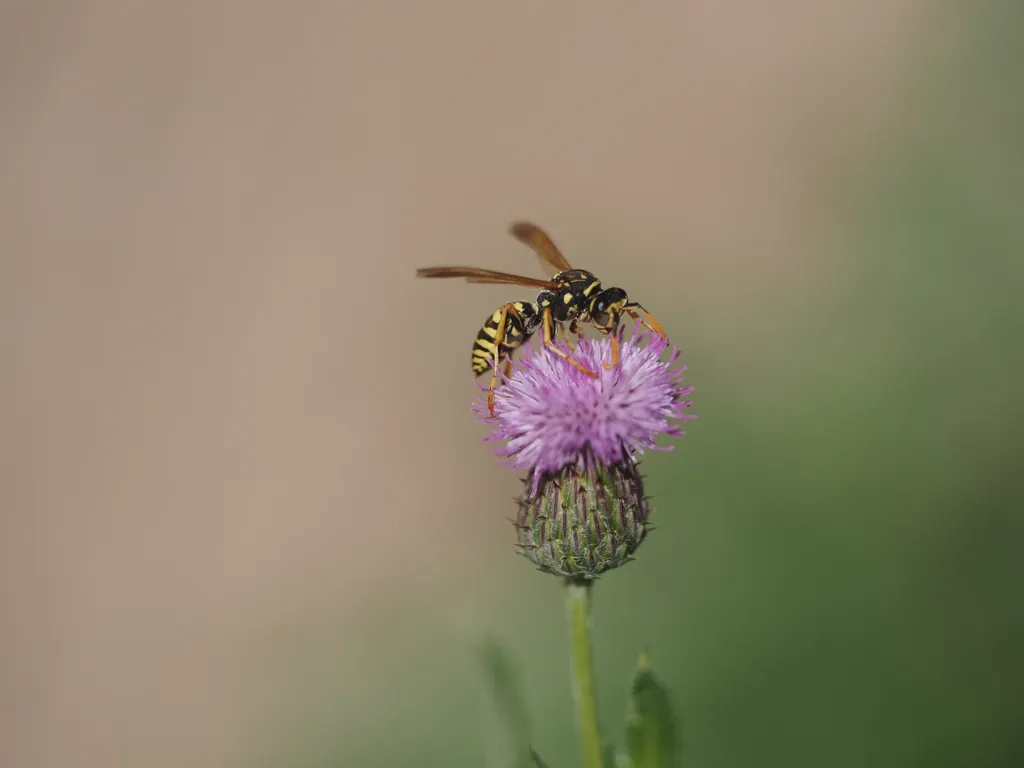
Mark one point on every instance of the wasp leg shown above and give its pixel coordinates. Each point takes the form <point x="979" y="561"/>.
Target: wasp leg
<point x="615" y="350"/>
<point x="549" y="342"/>
<point x="499" y="339"/>
<point x="574" y="329"/>
<point x="499" y="336"/>
<point x="647" y="320"/>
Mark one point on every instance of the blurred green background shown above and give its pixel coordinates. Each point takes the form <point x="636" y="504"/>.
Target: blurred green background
<point x="836" y="577"/>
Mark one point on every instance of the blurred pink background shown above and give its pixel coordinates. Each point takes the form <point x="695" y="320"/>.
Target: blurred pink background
<point x="231" y="413"/>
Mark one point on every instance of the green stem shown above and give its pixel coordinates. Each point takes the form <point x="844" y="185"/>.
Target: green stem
<point x="582" y="673"/>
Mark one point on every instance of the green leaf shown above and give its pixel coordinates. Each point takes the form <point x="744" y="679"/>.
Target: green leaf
<point x="503" y="681"/>
<point x="651" y="728"/>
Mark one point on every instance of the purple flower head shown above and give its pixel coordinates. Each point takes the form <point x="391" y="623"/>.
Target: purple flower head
<point x="551" y="415"/>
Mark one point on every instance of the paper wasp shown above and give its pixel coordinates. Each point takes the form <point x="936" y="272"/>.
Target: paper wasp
<point x="571" y="296"/>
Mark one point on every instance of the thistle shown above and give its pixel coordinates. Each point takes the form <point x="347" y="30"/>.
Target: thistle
<point x="582" y="523"/>
<point x="582" y="510"/>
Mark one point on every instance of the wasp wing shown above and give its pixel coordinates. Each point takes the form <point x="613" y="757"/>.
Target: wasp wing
<point x="538" y="239"/>
<point x="489" y="276"/>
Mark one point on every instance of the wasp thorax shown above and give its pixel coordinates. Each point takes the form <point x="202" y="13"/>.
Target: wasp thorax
<point x="581" y="523"/>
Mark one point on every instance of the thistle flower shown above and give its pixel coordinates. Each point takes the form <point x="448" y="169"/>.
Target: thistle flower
<point x="582" y="510"/>
<point x="551" y="416"/>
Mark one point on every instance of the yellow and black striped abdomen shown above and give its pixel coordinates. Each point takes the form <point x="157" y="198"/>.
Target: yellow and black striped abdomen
<point x="520" y="322"/>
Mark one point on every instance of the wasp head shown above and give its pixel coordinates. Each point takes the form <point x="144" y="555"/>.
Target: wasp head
<point x="606" y="308"/>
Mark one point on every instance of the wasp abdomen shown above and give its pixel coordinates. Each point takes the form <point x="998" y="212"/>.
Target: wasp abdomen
<point x="521" y="321"/>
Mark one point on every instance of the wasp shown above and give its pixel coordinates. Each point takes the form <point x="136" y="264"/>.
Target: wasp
<point x="569" y="298"/>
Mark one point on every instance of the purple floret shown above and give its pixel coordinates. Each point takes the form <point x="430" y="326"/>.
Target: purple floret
<point x="551" y="415"/>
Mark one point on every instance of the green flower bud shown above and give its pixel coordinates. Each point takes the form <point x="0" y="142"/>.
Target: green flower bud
<point x="583" y="522"/>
